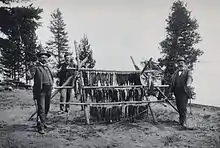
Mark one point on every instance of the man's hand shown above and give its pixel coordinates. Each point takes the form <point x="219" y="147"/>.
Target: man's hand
<point x="189" y="80"/>
<point x="29" y="75"/>
<point x="31" y="72"/>
<point x="188" y="85"/>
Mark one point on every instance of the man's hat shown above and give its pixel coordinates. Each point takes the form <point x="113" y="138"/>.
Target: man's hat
<point x="43" y="52"/>
<point x="181" y="59"/>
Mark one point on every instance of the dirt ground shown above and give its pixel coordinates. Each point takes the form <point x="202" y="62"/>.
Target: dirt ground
<point x="17" y="132"/>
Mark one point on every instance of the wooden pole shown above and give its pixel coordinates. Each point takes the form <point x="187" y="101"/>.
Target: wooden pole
<point x="63" y="86"/>
<point x="166" y="99"/>
<point x="113" y="103"/>
<point x="86" y="108"/>
<point x="82" y="92"/>
<point x="124" y="86"/>
<point x="135" y="66"/>
<point x="114" y="71"/>
<point x="145" y="67"/>
<point x="151" y="113"/>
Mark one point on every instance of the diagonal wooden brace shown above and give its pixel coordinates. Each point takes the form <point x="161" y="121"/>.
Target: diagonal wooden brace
<point x="166" y="99"/>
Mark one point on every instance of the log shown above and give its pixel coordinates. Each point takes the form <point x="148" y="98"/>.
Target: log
<point x="113" y="103"/>
<point x="123" y="86"/>
<point x="114" y="71"/>
<point x="145" y="67"/>
<point x="62" y="87"/>
<point x="166" y="99"/>
<point x="135" y="66"/>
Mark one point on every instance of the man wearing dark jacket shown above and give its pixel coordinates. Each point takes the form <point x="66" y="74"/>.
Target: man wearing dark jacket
<point x="43" y="82"/>
<point x="64" y="74"/>
<point x="180" y="86"/>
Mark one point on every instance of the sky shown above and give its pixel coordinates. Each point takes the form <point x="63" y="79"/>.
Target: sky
<point x="118" y="29"/>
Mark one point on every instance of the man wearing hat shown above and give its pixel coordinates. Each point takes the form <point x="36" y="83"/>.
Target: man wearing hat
<point x="64" y="74"/>
<point x="180" y="86"/>
<point x="42" y="88"/>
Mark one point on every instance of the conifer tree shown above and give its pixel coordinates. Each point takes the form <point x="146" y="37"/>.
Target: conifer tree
<point x="181" y="38"/>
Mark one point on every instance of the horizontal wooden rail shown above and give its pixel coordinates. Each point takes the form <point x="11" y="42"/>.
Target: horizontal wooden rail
<point x="111" y="103"/>
<point x="122" y="86"/>
<point x="116" y="87"/>
<point x="64" y="87"/>
<point x="111" y="71"/>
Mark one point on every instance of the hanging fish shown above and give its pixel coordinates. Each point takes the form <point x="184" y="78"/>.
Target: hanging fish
<point x="114" y="96"/>
<point x="136" y="94"/>
<point x="110" y="93"/>
<point x="103" y="117"/>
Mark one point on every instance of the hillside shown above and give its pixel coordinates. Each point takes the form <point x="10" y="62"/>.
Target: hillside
<point x="15" y="131"/>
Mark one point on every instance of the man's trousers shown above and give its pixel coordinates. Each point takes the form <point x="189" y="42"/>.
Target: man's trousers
<point x="181" y="103"/>
<point x="43" y="104"/>
<point x="65" y="95"/>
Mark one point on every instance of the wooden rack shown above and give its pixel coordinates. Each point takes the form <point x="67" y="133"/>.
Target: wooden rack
<point x="89" y="105"/>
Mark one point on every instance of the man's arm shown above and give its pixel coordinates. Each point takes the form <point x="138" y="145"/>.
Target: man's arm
<point x="171" y="87"/>
<point x="53" y="72"/>
<point x="189" y="79"/>
<point x="31" y="72"/>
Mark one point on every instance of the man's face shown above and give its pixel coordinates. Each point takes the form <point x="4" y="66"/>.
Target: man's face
<point x="43" y="59"/>
<point x="181" y="64"/>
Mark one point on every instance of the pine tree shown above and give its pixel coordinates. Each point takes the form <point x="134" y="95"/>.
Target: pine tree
<point x="58" y="45"/>
<point x="18" y="24"/>
<point x="28" y="35"/>
<point x="85" y="50"/>
<point x="13" y="1"/>
<point x="180" y="41"/>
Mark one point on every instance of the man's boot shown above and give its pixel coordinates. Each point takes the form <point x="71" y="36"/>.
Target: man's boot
<point x="40" y="130"/>
<point x="61" y="109"/>
<point x="67" y="109"/>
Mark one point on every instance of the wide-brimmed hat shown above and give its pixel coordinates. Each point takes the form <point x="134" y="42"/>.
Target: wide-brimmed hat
<point x="43" y="52"/>
<point x="181" y="59"/>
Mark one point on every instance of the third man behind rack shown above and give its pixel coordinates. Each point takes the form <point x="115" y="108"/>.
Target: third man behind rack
<point x="64" y="74"/>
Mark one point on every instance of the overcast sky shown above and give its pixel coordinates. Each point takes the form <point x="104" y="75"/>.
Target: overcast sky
<point x="118" y="29"/>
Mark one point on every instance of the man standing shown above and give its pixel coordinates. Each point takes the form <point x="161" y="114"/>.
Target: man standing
<point x="180" y="86"/>
<point x="43" y="82"/>
<point x="64" y="74"/>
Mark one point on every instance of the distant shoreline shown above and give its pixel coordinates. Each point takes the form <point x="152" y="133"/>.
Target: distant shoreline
<point x="202" y="105"/>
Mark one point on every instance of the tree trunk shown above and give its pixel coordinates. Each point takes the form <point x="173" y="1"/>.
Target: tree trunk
<point x="14" y="74"/>
<point x="26" y="68"/>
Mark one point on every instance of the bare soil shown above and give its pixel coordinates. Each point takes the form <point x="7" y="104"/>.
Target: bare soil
<point x="17" y="132"/>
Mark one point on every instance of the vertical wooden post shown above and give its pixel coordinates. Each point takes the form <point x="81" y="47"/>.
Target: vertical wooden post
<point x="86" y="108"/>
<point x="154" y="120"/>
<point x="82" y="92"/>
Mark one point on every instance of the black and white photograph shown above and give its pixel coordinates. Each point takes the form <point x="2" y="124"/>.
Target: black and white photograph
<point x="109" y="74"/>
